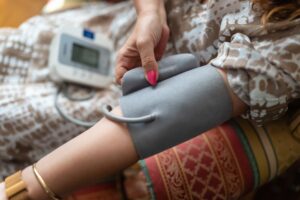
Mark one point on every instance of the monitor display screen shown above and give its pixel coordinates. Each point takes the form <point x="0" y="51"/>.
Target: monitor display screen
<point x="85" y="55"/>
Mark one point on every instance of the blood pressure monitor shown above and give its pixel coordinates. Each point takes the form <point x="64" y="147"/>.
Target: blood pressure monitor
<point x="81" y="56"/>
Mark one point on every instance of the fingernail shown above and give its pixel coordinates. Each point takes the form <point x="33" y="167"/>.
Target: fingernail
<point x="151" y="76"/>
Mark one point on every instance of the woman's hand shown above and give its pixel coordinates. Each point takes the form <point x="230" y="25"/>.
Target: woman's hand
<point x="2" y="191"/>
<point x="145" y="46"/>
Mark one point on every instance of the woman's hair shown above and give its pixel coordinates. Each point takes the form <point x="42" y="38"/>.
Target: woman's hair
<point x="279" y="10"/>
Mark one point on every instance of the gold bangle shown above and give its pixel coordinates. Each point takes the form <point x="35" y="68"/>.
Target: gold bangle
<point x="45" y="187"/>
<point x="15" y="187"/>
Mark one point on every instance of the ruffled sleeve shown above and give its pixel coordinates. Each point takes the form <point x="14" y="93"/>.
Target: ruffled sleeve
<point x="263" y="71"/>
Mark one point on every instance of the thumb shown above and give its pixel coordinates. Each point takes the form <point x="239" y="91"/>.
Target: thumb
<point x="146" y="51"/>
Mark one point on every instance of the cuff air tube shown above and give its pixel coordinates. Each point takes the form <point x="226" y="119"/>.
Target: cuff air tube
<point x="187" y="101"/>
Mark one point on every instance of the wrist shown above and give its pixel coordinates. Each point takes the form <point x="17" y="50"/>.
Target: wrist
<point x="161" y="16"/>
<point x="34" y="189"/>
<point x="145" y="7"/>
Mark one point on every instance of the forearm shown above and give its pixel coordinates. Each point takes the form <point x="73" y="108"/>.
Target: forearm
<point x="99" y="152"/>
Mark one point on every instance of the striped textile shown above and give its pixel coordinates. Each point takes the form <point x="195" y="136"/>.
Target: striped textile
<point x="223" y="163"/>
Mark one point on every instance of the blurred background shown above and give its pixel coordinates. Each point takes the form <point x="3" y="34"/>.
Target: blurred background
<point x="14" y="12"/>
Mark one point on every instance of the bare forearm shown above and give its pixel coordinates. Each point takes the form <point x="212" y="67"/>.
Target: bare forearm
<point x="99" y="152"/>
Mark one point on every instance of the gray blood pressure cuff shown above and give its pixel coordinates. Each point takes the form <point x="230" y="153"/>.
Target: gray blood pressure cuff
<point x="187" y="101"/>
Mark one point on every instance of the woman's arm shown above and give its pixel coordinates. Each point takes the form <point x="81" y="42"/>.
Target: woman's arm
<point x="99" y="152"/>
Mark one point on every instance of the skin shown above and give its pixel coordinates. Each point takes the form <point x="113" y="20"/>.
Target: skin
<point x="148" y="41"/>
<point x="107" y="148"/>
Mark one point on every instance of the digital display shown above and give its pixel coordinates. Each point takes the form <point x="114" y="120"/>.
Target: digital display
<point x="86" y="56"/>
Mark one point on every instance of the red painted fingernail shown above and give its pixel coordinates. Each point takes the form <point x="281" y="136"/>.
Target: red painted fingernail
<point x="151" y="76"/>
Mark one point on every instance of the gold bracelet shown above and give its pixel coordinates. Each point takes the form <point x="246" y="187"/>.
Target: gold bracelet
<point x="15" y="187"/>
<point x="45" y="187"/>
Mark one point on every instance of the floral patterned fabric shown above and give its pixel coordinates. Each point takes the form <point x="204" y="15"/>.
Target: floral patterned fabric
<point x="263" y="63"/>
